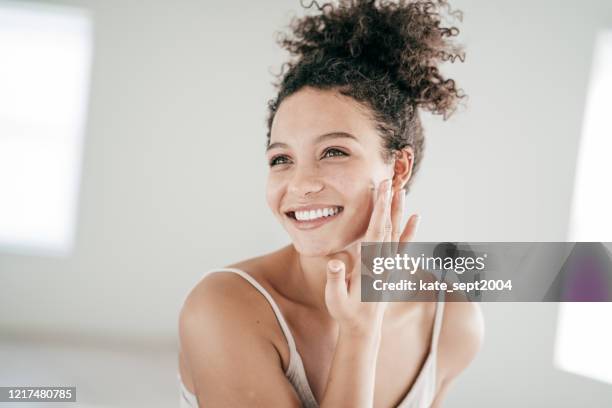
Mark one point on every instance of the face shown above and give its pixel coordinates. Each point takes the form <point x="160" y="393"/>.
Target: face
<point x="324" y="157"/>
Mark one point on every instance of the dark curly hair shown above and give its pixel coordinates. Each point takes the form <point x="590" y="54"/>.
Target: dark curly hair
<point x="384" y="55"/>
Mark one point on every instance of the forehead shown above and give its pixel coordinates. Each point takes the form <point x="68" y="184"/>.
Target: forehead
<point x="312" y="112"/>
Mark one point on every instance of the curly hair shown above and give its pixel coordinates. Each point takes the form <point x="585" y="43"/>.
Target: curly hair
<point x="383" y="54"/>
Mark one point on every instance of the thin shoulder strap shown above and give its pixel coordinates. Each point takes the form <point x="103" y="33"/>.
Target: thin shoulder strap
<point x="275" y="308"/>
<point x="438" y="319"/>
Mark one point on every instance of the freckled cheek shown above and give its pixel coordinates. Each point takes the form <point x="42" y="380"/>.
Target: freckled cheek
<point x="351" y="182"/>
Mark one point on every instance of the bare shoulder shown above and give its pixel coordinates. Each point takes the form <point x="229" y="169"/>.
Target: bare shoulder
<point x="229" y="301"/>
<point x="220" y="305"/>
<point x="224" y="300"/>
<point x="225" y="290"/>
<point x="461" y="336"/>
<point x="229" y="339"/>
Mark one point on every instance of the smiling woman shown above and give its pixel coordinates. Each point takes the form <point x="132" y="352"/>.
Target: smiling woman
<point x="329" y="156"/>
<point x="344" y="141"/>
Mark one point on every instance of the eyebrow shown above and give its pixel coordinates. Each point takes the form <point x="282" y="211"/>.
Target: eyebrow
<point x="326" y="136"/>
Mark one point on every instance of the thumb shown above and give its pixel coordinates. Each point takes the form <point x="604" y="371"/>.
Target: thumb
<point x="336" y="285"/>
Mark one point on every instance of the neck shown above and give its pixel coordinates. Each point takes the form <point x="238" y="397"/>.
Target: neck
<point x="311" y="274"/>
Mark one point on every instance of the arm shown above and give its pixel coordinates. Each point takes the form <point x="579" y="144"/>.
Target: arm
<point x="351" y="378"/>
<point x="234" y="364"/>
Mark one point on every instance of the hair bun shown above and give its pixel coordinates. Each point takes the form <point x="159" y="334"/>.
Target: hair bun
<point x="405" y="40"/>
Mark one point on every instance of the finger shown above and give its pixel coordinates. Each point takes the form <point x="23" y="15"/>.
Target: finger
<point x="335" y="287"/>
<point x="355" y="280"/>
<point x="375" y="234"/>
<point x="362" y="274"/>
<point x="376" y="228"/>
<point x="409" y="231"/>
<point x="397" y="211"/>
<point x="386" y="247"/>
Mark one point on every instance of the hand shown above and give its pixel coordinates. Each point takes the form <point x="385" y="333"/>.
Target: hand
<point x="344" y="301"/>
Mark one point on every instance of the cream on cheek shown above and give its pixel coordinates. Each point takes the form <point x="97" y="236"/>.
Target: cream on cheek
<point x="353" y="184"/>
<point x="358" y="185"/>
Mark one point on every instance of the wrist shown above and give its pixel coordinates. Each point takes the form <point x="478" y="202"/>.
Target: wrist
<point x="361" y="332"/>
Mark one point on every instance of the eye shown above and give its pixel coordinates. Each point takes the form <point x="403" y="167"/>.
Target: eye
<point x="280" y="159"/>
<point x="333" y="152"/>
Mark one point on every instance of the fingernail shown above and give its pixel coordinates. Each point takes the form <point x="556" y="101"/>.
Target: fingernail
<point x="335" y="266"/>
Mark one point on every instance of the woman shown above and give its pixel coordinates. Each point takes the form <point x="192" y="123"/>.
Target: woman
<point x="287" y="329"/>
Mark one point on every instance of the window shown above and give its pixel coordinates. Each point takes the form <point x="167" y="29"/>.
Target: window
<point x="45" y="54"/>
<point x="584" y="330"/>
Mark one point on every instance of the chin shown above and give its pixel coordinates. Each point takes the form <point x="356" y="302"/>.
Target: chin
<point x="324" y="246"/>
<point x="314" y="249"/>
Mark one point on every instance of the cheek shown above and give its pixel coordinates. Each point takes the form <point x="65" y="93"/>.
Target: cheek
<point x="351" y="181"/>
<point x="354" y="184"/>
<point x="274" y="190"/>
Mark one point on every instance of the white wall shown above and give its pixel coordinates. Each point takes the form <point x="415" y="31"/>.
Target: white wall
<point x="174" y="172"/>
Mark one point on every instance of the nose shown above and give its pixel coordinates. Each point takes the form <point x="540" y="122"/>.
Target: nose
<point x="305" y="180"/>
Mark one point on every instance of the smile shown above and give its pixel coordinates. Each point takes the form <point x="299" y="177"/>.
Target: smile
<point x="314" y="218"/>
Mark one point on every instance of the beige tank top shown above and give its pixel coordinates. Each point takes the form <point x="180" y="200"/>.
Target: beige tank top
<point x="421" y="395"/>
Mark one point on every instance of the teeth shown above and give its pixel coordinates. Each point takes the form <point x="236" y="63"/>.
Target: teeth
<point x="315" y="214"/>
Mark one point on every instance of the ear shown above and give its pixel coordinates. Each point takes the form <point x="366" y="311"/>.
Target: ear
<point x="402" y="171"/>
